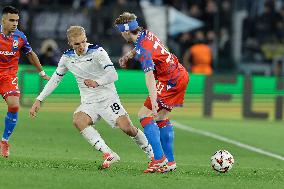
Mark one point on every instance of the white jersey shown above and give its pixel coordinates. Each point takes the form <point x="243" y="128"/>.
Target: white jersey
<point x="94" y="65"/>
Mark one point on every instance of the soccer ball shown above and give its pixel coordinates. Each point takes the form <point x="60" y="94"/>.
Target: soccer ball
<point x="222" y="161"/>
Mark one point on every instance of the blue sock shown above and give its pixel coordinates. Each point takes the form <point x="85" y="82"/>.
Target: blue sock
<point x="167" y="140"/>
<point x="10" y="123"/>
<point x="152" y="133"/>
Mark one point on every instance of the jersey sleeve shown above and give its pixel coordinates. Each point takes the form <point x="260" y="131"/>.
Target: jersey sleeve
<point x="144" y="55"/>
<point x="26" y="48"/>
<point x="110" y="75"/>
<point x="103" y="58"/>
<point x="54" y="80"/>
<point x="61" y="68"/>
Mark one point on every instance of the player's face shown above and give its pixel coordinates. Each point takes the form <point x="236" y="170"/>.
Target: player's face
<point x="10" y="22"/>
<point x="79" y="44"/>
<point x="126" y="36"/>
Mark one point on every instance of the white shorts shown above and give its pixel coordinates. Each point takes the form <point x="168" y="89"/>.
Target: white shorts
<point x="109" y="109"/>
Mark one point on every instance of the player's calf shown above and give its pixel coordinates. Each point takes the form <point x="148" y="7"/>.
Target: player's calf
<point x="124" y="123"/>
<point x="152" y="133"/>
<point x="141" y="140"/>
<point x="167" y="138"/>
<point x="136" y="134"/>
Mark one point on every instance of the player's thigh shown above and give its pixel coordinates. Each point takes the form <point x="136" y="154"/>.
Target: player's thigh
<point x="144" y="112"/>
<point x="111" y="110"/>
<point x="9" y="87"/>
<point x="124" y="122"/>
<point x="12" y="101"/>
<point x="85" y="115"/>
<point x="162" y="114"/>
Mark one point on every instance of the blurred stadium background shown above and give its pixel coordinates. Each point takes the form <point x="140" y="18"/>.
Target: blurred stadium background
<point x="246" y="36"/>
<point x="246" y="39"/>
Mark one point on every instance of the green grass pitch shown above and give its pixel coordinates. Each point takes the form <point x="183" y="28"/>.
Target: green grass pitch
<point x="48" y="152"/>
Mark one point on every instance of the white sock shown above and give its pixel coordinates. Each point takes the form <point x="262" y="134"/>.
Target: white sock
<point x="141" y="140"/>
<point x="95" y="139"/>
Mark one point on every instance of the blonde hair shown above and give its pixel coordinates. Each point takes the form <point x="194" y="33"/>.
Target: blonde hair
<point x="127" y="17"/>
<point x="75" y="31"/>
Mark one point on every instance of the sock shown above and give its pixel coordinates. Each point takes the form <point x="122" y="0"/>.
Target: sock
<point x="141" y="140"/>
<point x="10" y="123"/>
<point x="152" y="133"/>
<point x="95" y="139"/>
<point x="167" y="138"/>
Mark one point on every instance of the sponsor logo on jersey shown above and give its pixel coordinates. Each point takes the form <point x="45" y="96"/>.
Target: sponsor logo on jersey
<point x="15" y="44"/>
<point x="7" y="53"/>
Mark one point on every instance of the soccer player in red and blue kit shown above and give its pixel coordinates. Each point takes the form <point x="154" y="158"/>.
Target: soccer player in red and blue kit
<point x="12" y="41"/>
<point x="168" y="92"/>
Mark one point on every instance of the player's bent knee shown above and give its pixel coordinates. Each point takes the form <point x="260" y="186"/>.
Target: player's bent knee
<point x="130" y="131"/>
<point x="124" y="123"/>
<point x="140" y="115"/>
<point x="79" y="123"/>
<point x="163" y="114"/>
<point x="81" y="120"/>
<point x="13" y="108"/>
<point x="144" y="112"/>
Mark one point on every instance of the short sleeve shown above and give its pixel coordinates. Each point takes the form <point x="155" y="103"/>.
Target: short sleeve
<point x="144" y="55"/>
<point x="103" y="58"/>
<point x="26" y="48"/>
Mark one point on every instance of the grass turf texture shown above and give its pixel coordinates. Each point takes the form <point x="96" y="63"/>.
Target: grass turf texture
<point x="48" y="152"/>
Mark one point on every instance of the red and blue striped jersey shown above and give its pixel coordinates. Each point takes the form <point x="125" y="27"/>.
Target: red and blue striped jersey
<point x="10" y="47"/>
<point x="153" y="55"/>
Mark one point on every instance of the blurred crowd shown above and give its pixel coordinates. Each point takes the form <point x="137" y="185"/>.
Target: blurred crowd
<point x="75" y="4"/>
<point x="263" y="37"/>
<point x="211" y="46"/>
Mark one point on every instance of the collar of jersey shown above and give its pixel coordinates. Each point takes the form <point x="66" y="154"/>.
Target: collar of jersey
<point x="86" y="50"/>
<point x="140" y="36"/>
<point x="1" y="30"/>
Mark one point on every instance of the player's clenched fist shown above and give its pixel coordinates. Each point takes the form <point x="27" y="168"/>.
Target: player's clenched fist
<point x="34" y="109"/>
<point x="123" y="61"/>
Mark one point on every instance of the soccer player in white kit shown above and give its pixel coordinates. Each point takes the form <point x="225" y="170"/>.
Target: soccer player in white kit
<point x="95" y="75"/>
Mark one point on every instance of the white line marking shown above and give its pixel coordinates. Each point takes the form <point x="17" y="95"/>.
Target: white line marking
<point x="227" y="140"/>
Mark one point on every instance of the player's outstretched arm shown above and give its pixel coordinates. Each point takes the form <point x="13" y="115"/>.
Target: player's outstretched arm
<point x="33" y="59"/>
<point x="47" y="90"/>
<point x="35" y="108"/>
<point x="49" y="87"/>
<point x="123" y="60"/>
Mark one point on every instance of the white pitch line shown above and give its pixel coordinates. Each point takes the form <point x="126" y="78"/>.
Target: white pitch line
<point x="227" y="140"/>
